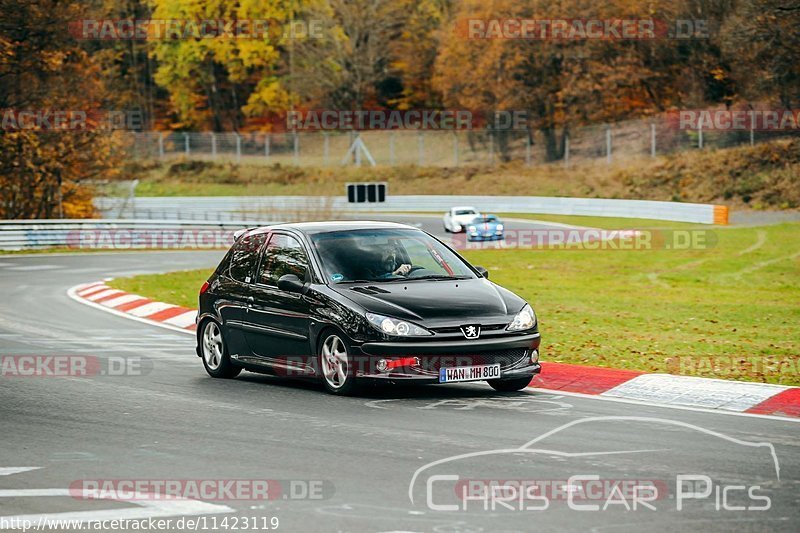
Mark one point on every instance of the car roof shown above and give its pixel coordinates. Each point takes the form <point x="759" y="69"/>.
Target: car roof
<point x="337" y="225"/>
<point x="463" y="207"/>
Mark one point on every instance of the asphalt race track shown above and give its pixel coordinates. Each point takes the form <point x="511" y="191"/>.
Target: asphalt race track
<point x="362" y="459"/>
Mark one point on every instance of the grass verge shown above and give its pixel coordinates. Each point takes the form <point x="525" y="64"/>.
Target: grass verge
<point x="730" y="311"/>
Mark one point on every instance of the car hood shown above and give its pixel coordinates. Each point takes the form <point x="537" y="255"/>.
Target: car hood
<point x="436" y="303"/>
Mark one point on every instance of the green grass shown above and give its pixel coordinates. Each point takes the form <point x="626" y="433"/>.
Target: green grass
<point x="179" y="288"/>
<point x="735" y="305"/>
<point x="604" y="222"/>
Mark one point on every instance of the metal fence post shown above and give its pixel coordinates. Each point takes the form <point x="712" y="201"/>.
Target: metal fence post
<point x="752" y="134"/>
<point x="213" y="145"/>
<point x="186" y="148"/>
<point x="700" y="136"/>
<point x="420" y="149"/>
<point x="238" y="147"/>
<point x="296" y="149"/>
<point x="266" y="145"/>
<point x="608" y="144"/>
<point x="652" y="140"/>
<point x="455" y="147"/>
<point x="566" y="150"/>
<point x="161" y="145"/>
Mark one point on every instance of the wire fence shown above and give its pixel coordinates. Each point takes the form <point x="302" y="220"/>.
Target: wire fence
<point x="611" y="143"/>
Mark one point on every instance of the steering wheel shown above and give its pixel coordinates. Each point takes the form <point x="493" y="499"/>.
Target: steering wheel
<point x="414" y="269"/>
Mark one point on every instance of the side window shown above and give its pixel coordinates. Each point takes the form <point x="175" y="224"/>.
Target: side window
<point x="284" y="255"/>
<point x="244" y="257"/>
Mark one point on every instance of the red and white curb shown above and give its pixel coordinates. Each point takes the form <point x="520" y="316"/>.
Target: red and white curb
<point x="135" y="307"/>
<point x="671" y="390"/>
<point x="607" y="383"/>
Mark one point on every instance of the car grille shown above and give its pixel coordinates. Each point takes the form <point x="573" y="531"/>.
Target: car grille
<point x="506" y="358"/>
<point x="457" y="329"/>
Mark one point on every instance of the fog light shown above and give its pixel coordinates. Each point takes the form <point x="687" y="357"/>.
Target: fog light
<point x="382" y="365"/>
<point x="535" y="356"/>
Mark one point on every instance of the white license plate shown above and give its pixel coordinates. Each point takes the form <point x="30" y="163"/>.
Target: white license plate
<point x="469" y="373"/>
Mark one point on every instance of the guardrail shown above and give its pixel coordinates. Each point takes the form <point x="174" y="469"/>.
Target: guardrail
<point x="119" y="234"/>
<point x="247" y="207"/>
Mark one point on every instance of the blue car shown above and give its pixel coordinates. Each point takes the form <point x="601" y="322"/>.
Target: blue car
<point x="485" y="228"/>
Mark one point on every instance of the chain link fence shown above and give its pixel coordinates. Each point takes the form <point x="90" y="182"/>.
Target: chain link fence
<point x="609" y="143"/>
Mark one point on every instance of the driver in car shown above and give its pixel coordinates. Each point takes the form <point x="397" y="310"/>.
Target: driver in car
<point x="389" y="267"/>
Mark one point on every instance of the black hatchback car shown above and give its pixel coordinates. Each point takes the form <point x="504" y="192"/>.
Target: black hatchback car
<point x="351" y="302"/>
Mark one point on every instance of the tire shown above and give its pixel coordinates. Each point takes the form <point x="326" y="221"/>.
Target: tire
<point x="445" y="228"/>
<point x="214" y="352"/>
<point x="336" y="368"/>
<point x="510" y="385"/>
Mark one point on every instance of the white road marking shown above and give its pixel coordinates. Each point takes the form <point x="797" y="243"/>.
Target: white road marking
<point x="124" y="299"/>
<point x="93" y="289"/>
<point x="84" y="286"/>
<point x="149" y="309"/>
<point x="597" y="397"/>
<point x="699" y="392"/>
<point x="102" y="294"/>
<point x="31" y="268"/>
<point x="148" y="506"/>
<point x="186" y="319"/>
<point x="11" y="470"/>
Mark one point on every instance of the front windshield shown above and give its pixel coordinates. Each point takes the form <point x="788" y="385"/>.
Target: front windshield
<point x="483" y="220"/>
<point x="465" y="212"/>
<point x="376" y="255"/>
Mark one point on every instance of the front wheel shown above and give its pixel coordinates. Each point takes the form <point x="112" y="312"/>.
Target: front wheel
<point x="338" y="373"/>
<point x="215" y="353"/>
<point x="510" y="385"/>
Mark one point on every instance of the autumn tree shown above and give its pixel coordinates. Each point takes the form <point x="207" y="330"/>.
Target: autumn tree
<point x="761" y="41"/>
<point x="43" y="170"/>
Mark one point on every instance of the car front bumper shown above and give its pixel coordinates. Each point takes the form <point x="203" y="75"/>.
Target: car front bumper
<point x="422" y="361"/>
<point x="485" y="237"/>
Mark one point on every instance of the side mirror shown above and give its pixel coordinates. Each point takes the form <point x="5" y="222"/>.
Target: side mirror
<point x="482" y="271"/>
<point x="291" y="283"/>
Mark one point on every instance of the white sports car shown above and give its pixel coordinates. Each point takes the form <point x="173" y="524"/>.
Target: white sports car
<point x="458" y="218"/>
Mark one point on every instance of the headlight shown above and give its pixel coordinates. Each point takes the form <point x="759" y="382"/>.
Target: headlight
<point x="525" y="319"/>
<point x="471" y="229"/>
<point x="393" y="326"/>
<point x="500" y="227"/>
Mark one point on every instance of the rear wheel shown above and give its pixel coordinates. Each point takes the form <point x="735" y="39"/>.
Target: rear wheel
<point x="510" y="385"/>
<point x="215" y="353"/>
<point x="335" y="364"/>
